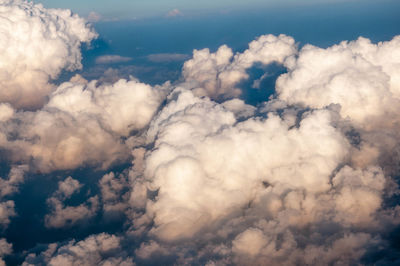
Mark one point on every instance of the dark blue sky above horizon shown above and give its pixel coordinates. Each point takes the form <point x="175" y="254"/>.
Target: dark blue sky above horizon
<point x="321" y="24"/>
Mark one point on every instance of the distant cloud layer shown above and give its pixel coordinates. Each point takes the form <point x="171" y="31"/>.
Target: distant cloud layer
<point x="94" y="17"/>
<point x="160" y="58"/>
<point x="112" y="59"/>
<point x="307" y="177"/>
<point x="174" y="13"/>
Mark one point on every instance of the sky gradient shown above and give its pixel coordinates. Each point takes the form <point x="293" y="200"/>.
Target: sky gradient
<point x="134" y="9"/>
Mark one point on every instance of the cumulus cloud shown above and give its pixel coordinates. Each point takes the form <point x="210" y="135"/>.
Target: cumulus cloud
<point x="292" y="182"/>
<point x="305" y="178"/>
<point x="112" y="59"/>
<point x="102" y="249"/>
<point x="351" y="74"/>
<point x="10" y="185"/>
<point x="81" y="124"/>
<point x="114" y="194"/>
<point x="36" y="45"/>
<point x="66" y="216"/>
<point x="363" y="80"/>
<point x="217" y="74"/>
<point x="201" y="147"/>
<point x="5" y="249"/>
<point x="255" y="189"/>
<point x="7" y="210"/>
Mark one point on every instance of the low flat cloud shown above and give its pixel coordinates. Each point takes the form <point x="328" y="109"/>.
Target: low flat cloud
<point x="112" y="59"/>
<point x="94" y="17"/>
<point x="174" y="13"/>
<point x="167" y="57"/>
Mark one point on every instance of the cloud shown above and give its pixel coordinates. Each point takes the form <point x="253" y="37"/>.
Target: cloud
<point x="235" y="185"/>
<point x="351" y="74"/>
<point x="81" y="124"/>
<point x="112" y="59"/>
<point x="94" y="17"/>
<point x="65" y="216"/>
<point x="5" y="249"/>
<point x="174" y="13"/>
<point x="253" y="188"/>
<point x="8" y="187"/>
<point x="307" y="177"/>
<point x="15" y="178"/>
<point x="216" y="75"/>
<point x="231" y="183"/>
<point x="7" y="210"/>
<point x="36" y="45"/>
<point x="102" y="249"/>
<point x="114" y="194"/>
<point x="200" y="146"/>
<point x="161" y="58"/>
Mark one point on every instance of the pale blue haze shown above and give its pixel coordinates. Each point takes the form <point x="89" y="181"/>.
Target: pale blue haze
<point x="134" y="9"/>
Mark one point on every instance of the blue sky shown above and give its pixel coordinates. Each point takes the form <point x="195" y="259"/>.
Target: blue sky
<point x="322" y="25"/>
<point x="138" y="8"/>
<point x="130" y="9"/>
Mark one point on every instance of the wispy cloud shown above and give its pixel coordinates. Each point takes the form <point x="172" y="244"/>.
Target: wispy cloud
<point x="167" y="57"/>
<point x="112" y="59"/>
<point x="94" y="17"/>
<point x="174" y="13"/>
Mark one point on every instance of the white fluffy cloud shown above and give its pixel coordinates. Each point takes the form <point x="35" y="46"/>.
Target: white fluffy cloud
<point x="36" y="44"/>
<point x="204" y="165"/>
<point x="360" y="76"/>
<point x="81" y="124"/>
<point x="303" y="179"/>
<point x="217" y="74"/>
<point x="255" y="189"/>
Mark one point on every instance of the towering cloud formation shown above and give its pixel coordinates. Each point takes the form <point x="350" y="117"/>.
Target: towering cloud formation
<point x="256" y="188"/>
<point x="201" y="156"/>
<point x="313" y="160"/>
<point x="36" y="44"/>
